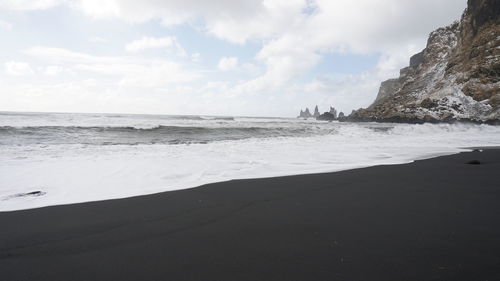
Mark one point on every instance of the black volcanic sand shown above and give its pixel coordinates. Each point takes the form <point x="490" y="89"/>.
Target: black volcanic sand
<point x="436" y="219"/>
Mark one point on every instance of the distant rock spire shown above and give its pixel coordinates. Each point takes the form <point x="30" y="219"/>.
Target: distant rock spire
<point x="328" y="116"/>
<point x="333" y="112"/>
<point x="316" y="112"/>
<point x="305" y="114"/>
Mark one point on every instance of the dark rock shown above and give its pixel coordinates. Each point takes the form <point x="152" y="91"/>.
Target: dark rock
<point x="428" y="103"/>
<point x="327" y="116"/>
<point x="482" y="12"/>
<point x="305" y="114"/>
<point x="428" y="118"/>
<point x="316" y="112"/>
<point x="333" y="111"/>
<point x="35" y="193"/>
<point x="495" y="101"/>
<point x="32" y="193"/>
<point x="387" y="88"/>
<point x="404" y="71"/>
<point x="474" y="162"/>
<point x="417" y="59"/>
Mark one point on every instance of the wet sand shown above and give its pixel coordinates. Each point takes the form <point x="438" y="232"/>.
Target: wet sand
<point x="436" y="219"/>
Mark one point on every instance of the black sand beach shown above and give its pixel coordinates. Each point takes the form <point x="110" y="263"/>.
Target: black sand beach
<point x="436" y="219"/>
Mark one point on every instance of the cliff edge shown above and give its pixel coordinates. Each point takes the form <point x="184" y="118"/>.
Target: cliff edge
<point x="456" y="77"/>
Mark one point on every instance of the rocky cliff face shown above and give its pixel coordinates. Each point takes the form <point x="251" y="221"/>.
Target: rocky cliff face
<point x="456" y="77"/>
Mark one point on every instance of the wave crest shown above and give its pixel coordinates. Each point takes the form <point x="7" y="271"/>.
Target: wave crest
<point x="155" y="135"/>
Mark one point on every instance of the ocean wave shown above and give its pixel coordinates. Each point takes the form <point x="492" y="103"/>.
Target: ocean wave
<point x="107" y="171"/>
<point x="219" y="118"/>
<point x="158" y="128"/>
<point x="129" y="135"/>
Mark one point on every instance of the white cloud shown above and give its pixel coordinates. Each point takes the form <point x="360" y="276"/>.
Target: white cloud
<point x="235" y="21"/>
<point x="196" y="57"/>
<point x="5" y="25"/>
<point x="343" y="26"/>
<point x="353" y="22"/>
<point x="18" y="68"/>
<point x="250" y="68"/>
<point x="97" y="39"/>
<point x="296" y="33"/>
<point x="227" y="63"/>
<point x="360" y="25"/>
<point x="60" y="55"/>
<point x="29" y="4"/>
<point x="53" y="70"/>
<point x="146" y="43"/>
<point x="127" y="71"/>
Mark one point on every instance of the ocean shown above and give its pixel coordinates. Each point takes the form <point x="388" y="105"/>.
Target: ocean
<point x="62" y="158"/>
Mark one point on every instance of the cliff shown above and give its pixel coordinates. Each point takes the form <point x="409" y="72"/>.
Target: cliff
<point x="456" y="77"/>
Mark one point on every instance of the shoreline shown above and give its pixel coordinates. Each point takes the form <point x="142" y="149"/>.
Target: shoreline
<point x="434" y="219"/>
<point x="283" y="175"/>
<point x="415" y="120"/>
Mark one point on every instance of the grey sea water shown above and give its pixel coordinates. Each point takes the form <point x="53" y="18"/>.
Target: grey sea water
<point x="126" y="129"/>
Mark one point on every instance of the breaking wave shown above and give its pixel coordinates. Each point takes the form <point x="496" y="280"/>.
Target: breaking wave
<point x="50" y="159"/>
<point x="129" y="135"/>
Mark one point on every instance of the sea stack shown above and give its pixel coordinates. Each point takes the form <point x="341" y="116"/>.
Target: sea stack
<point x="333" y="112"/>
<point x="328" y="116"/>
<point x="305" y="114"/>
<point x="316" y="112"/>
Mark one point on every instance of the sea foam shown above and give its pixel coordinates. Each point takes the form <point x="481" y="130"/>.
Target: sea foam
<point x="46" y="168"/>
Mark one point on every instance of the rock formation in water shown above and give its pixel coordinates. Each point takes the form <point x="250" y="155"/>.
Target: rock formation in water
<point x="305" y="114"/>
<point x="328" y="116"/>
<point x="316" y="112"/>
<point x="456" y="77"/>
<point x="333" y="112"/>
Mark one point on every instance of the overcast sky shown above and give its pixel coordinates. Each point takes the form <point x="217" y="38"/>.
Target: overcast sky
<point x="218" y="57"/>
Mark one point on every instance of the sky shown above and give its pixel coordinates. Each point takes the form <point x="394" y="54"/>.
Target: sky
<point x="219" y="57"/>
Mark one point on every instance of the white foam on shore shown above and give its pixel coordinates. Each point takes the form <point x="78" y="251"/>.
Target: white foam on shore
<point x="80" y="173"/>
